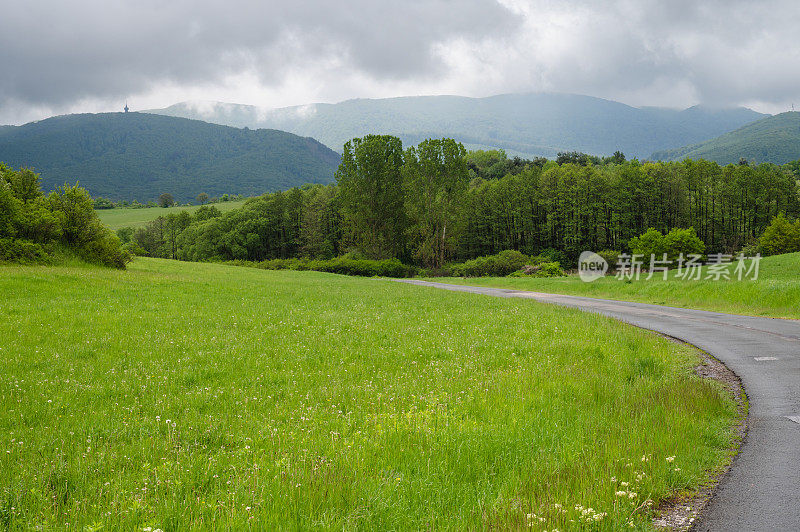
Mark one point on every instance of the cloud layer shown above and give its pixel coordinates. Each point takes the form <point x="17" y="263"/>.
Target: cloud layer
<point x="91" y="55"/>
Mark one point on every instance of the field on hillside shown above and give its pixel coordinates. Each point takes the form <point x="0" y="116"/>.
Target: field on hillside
<point x="776" y="292"/>
<point x="183" y="395"/>
<point x="125" y="217"/>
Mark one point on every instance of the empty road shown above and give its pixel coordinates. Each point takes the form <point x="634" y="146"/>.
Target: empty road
<point x="762" y="489"/>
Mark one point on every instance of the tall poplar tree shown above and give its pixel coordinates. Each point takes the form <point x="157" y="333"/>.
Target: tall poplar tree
<point x="371" y="190"/>
<point x="436" y="179"/>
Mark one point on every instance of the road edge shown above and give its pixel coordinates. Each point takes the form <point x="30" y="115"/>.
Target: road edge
<point x="684" y="510"/>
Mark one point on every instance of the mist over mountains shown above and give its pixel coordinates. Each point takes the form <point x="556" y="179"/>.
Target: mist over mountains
<point x="537" y="124"/>
<point x="219" y="148"/>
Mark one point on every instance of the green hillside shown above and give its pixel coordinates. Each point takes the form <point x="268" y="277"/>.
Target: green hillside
<point x="139" y="156"/>
<point x="524" y="124"/>
<point x="775" y="139"/>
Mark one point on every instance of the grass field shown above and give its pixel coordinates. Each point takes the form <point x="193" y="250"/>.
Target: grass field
<point x="776" y="292"/>
<point x="183" y="396"/>
<point x="125" y="217"/>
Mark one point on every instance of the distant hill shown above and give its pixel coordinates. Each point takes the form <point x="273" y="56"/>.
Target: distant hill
<point x="775" y="139"/>
<point x="139" y="156"/>
<point x="524" y="124"/>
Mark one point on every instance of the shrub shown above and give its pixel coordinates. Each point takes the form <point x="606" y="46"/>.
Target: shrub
<point x="781" y="236"/>
<point x="22" y="251"/>
<point x="674" y="243"/>
<point x="610" y="256"/>
<point x="542" y="269"/>
<point x="553" y="255"/>
<point x="649" y="243"/>
<point x="499" y="265"/>
<point x="684" y="241"/>
<point x="33" y="226"/>
<point x="340" y="265"/>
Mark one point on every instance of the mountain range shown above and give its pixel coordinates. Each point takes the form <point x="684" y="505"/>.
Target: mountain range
<point x="139" y="156"/>
<point x="775" y="139"/>
<point x="535" y="124"/>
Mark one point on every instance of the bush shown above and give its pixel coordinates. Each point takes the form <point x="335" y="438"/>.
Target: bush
<point x="781" y="236"/>
<point x="499" y="265"/>
<point x="683" y="241"/>
<point x="22" y="251"/>
<point x="542" y="269"/>
<point x="33" y="227"/>
<point x="553" y="255"/>
<point x="647" y="244"/>
<point x="339" y="265"/>
<point x="674" y="243"/>
<point x="610" y="256"/>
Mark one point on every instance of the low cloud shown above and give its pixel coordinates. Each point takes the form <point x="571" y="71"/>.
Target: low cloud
<point x="91" y="55"/>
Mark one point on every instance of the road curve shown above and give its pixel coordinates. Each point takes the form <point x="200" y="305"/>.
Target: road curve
<point x="762" y="489"/>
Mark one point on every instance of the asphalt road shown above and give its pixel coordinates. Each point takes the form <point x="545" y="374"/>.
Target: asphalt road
<point x="762" y="489"/>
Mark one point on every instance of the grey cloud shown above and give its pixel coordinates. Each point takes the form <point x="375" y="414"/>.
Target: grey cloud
<point x="54" y="53"/>
<point x="715" y="51"/>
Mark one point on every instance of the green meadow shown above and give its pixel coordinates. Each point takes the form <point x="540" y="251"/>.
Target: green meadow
<point x="776" y="292"/>
<point x="126" y="217"/>
<point x="187" y="396"/>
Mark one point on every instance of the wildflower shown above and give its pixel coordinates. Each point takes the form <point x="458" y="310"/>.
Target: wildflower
<point x="670" y="459"/>
<point x="631" y="494"/>
<point x="613" y="479"/>
<point x="621" y="493"/>
<point x="623" y="484"/>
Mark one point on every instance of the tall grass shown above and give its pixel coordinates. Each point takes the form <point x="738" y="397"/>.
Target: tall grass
<point x="184" y="396"/>
<point x="776" y="292"/>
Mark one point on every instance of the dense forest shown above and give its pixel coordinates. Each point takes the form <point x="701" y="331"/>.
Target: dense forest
<point x="775" y="139"/>
<point x="135" y="156"/>
<point x="436" y="203"/>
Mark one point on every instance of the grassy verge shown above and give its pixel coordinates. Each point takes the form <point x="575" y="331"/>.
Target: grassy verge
<point x="125" y="217"/>
<point x="776" y="292"/>
<point x="180" y="396"/>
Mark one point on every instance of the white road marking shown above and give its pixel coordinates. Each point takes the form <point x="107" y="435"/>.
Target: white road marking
<point x="763" y="359"/>
<point x="796" y="419"/>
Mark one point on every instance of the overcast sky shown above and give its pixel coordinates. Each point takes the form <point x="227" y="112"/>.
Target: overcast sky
<point x="86" y="56"/>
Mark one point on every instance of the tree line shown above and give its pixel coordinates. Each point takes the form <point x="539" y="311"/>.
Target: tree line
<point x="39" y="228"/>
<point x="435" y="203"/>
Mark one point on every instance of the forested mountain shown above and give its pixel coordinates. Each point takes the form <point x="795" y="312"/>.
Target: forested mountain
<point x="139" y="156"/>
<point x="775" y="139"/>
<point x="522" y="124"/>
